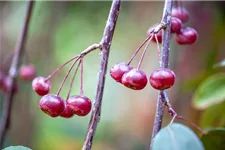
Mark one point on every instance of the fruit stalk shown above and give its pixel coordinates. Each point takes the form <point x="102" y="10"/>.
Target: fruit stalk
<point x="19" y="50"/>
<point x="105" y="47"/>
<point x="166" y="18"/>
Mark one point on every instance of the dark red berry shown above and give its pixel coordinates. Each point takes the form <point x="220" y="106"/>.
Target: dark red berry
<point x="159" y="37"/>
<point x="159" y="34"/>
<point x="51" y="104"/>
<point x="6" y="85"/>
<point x="41" y="86"/>
<point x="187" y="35"/>
<point x="79" y="104"/>
<point x="135" y="79"/>
<point x="67" y="112"/>
<point x="180" y="13"/>
<point x="27" y="72"/>
<point x="2" y="78"/>
<point x="162" y="79"/>
<point x="118" y="70"/>
<point x="176" y="25"/>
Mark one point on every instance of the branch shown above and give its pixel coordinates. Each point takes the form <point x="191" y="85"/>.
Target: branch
<point x="105" y="46"/>
<point x="165" y="63"/>
<point x="5" y="121"/>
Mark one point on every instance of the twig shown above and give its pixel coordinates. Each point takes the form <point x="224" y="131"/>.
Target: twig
<point x="5" y="121"/>
<point x="105" y="43"/>
<point x="165" y="63"/>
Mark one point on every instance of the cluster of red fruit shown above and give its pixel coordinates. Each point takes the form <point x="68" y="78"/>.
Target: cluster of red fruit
<point x="184" y="35"/>
<point x="26" y="73"/>
<point x="161" y="78"/>
<point x="136" y="79"/>
<point x="53" y="104"/>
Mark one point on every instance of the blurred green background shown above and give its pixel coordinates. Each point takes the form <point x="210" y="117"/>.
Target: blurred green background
<point x="61" y="30"/>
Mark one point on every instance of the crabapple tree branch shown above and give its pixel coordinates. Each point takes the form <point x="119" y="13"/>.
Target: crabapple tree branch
<point x="166" y="18"/>
<point x="105" y="47"/>
<point x="5" y="120"/>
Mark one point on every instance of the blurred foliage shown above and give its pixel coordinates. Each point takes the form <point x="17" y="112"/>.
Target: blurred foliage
<point x="214" y="139"/>
<point x="210" y="92"/>
<point x="214" y="116"/>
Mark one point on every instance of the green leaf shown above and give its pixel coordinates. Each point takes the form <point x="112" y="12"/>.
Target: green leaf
<point x="17" y="148"/>
<point x="214" y="139"/>
<point x="210" y="92"/>
<point x="213" y="116"/>
<point x="176" y="137"/>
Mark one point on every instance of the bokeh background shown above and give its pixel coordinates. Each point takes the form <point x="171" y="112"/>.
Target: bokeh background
<point x="61" y="30"/>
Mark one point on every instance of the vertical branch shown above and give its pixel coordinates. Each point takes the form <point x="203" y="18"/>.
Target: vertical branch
<point x="166" y="18"/>
<point x="5" y="120"/>
<point x="105" y="47"/>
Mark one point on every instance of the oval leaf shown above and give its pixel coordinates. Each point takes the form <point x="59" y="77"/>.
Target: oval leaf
<point x="210" y="92"/>
<point x="214" y="139"/>
<point x="17" y="148"/>
<point x="176" y="137"/>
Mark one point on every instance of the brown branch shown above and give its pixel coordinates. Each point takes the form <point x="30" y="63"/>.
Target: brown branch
<point x="5" y="121"/>
<point x="165" y="63"/>
<point x="105" y="43"/>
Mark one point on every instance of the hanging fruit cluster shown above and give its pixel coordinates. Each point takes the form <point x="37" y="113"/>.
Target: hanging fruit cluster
<point x="162" y="78"/>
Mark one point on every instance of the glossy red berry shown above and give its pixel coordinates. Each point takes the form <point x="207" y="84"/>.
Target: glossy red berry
<point x="176" y="25"/>
<point x="6" y="85"/>
<point x="159" y="37"/>
<point x="159" y="34"/>
<point x="187" y="35"/>
<point x="135" y="79"/>
<point x="118" y="70"/>
<point x="162" y="79"/>
<point x="27" y="72"/>
<point x="180" y="13"/>
<point x="79" y="104"/>
<point x="41" y="86"/>
<point x="51" y="104"/>
<point x="67" y="112"/>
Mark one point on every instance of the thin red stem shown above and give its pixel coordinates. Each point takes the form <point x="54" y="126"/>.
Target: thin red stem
<point x="158" y="50"/>
<point x="143" y="54"/>
<point x="192" y="124"/>
<point x="74" y="75"/>
<point x="81" y="76"/>
<point x="66" y="76"/>
<point x="135" y="53"/>
<point x="173" y="113"/>
<point x="58" y="69"/>
<point x="82" y="54"/>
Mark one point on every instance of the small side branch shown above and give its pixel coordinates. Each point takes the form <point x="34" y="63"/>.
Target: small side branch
<point x="105" y="47"/>
<point x="5" y="120"/>
<point x="166" y="18"/>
